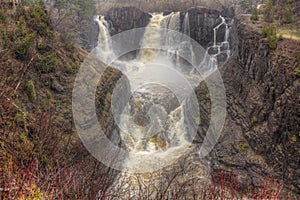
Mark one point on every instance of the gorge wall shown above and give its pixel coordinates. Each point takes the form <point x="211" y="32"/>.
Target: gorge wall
<point x="263" y="98"/>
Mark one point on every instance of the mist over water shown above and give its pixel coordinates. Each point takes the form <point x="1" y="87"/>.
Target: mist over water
<point x="152" y="125"/>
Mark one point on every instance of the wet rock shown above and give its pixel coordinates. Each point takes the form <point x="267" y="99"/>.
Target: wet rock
<point x="224" y="46"/>
<point x="142" y="102"/>
<point x="222" y="58"/>
<point x="228" y="12"/>
<point x="202" y="22"/>
<point x="90" y="37"/>
<point x="203" y="97"/>
<point x="167" y="12"/>
<point x="213" y="50"/>
<point x="220" y="34"/>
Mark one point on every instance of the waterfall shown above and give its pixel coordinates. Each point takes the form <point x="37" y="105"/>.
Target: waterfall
<point x="152" y="126"/>
<point x="146" y="127"/>
<point x="165" y="38"/>
<point x="186" y="24"/>
<point x="174" y="44"/>
<point x="189" y="52"/>
<point x="218" y="53"/>
<point x="170" y="22"/>
<point x="104" y="48"/>
<point x="151" y="36"/>
<point x="216" y="29"/>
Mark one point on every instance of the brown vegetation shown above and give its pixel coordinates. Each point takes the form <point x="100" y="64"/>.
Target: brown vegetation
<point x="40" y="154"/>
<point x="161" y="5"/>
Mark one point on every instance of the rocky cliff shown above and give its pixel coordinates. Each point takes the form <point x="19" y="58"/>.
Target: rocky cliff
<point x="263" y="106"/>
<point x="127" y="18"/>
<point x="202" y="21"/>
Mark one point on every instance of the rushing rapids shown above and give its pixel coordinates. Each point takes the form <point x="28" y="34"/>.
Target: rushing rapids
<point x="146" y="126"/>
<point x="152" y="126"/>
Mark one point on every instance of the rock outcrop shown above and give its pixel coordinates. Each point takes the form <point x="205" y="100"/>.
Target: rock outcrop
<point x="263" y="106"/>
<point x="202" y="21"/>
<point x="126" y="18"/>
<point x="108" y="85"/>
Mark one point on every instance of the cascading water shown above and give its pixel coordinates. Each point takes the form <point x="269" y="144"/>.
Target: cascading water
<point x="217" y="54"/>
<point x="186" y="24"/>
<point x="175" y="48"/>
<point x="157" y="134"/>
<point x="151" y="36"/>
<point x="222" y="48"/>
<point x="105" y="47"/>
<point x="163" y="133"/>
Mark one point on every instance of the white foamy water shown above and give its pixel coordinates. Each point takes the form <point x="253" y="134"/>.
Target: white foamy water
<point x="164" y="138"/>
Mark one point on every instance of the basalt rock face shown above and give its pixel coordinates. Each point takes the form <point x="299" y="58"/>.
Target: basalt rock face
<point x="260" y="137"/>
<point x="202" y="21"/>
<point x="228" y="12"/>
<point x="263" y="105"/>
<point x="126" y="18"/>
